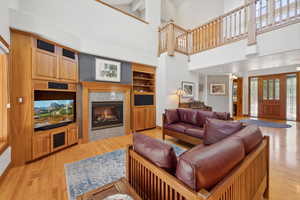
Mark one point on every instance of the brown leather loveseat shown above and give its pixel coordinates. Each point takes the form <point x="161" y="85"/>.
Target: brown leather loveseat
<point x="188" y="124"/>
<point x="235" y="167"/>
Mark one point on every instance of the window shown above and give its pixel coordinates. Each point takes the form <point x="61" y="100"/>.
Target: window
<point x="277" y="89"/>
<point x="291" y="97"/>
<point x="265" y="89"/>
<point x="3" y="99"/>
<point x="271" y="90"/>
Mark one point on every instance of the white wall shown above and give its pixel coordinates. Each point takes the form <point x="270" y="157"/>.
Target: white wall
<point x="168" y="10"/>
<point x="232" y="4"/>
<point x="170" y="73"/>
<point x="92" y="27"/>
<point x="193" y="13"/>
<point x="4" y="23"/>
<point x="218" y="103"/>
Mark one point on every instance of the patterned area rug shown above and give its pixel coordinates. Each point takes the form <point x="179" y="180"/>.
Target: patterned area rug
<point x="86" y="175"/>
<point x="265" y="123"/>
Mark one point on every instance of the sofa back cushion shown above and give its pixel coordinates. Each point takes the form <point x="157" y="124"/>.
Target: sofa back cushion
<point x="188" y="116"/>
<point x="203" y="115"/>
<point x="251" y="136"/>
<point x="171" y="116"/>
<point x="157" y="152"/>
<point x="223" y="115"/>
<point x="216" y="130"/>
<point x="205" y="167"/>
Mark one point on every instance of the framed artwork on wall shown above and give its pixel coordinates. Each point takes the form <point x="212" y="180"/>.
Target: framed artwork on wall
<point x="188" y="88"/>
<point x="217" y="89"/>
<point x="107" y="70"/>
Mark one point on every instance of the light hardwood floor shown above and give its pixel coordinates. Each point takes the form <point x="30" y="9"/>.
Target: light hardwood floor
<point x="45" y="179"/>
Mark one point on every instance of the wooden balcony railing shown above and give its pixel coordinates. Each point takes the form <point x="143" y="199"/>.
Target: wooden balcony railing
<point x="245" y="22"/>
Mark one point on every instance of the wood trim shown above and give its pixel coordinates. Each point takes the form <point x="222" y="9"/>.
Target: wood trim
<point x="88" y="87"/>
<point x="181" y="136"/>
<point x="37" y="36"/>
<point x="3" y="41"/>
<point x="122" y="11"/>
<point x="3" y="147"/>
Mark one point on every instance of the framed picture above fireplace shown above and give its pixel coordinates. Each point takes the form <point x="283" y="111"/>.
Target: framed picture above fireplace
<point x="107" y="70"/>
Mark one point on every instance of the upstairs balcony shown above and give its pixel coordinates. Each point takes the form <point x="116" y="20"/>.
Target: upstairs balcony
<point x="237" y="32"/>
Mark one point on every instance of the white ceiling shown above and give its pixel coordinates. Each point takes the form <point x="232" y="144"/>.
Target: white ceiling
<point x="269" y="64"/>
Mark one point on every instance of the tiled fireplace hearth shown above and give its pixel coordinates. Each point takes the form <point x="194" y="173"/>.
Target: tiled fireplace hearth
<point x="105" y="110"/>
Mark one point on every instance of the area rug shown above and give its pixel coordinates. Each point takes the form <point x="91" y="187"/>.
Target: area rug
<point x="265" y="123"/>
<point x="86" y="175"/>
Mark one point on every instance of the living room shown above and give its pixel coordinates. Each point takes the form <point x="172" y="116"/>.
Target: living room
<point x="149" y="99"/>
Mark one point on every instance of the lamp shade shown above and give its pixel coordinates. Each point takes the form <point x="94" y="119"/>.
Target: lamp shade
<point x="180" y="92"/>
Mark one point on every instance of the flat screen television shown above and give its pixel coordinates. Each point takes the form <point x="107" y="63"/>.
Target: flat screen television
<point x="50" y="114"/>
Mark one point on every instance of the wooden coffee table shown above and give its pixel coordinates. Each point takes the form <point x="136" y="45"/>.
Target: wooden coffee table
<point x="121" y="186"/>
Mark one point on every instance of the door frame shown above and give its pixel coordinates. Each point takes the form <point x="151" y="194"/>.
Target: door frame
<point x="282" y="74"/>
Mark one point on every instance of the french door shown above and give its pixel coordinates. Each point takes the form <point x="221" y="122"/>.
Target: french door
<point x="272" y="97"/>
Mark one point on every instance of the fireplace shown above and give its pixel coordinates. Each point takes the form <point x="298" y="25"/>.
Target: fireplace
<point x="107" y="114"/>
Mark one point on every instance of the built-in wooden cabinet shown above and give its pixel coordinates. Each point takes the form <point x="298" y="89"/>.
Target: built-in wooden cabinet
<point x="144" y="117"/>
<point x="45" y="65"/>
<point x="150" y="121"/>
<point x="72" y="135"/>
<point x="39" y="66"/>
<point x="48" y="141"/>
<point x="49" y="62"/>
<point x="41" y="144"/>
<point x="143" y="97"/>
<point x="68" y="70"/>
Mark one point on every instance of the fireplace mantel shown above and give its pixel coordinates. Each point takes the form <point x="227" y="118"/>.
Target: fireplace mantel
<point x="88" y="87"/>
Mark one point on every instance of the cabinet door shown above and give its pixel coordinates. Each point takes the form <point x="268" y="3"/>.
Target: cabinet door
<point x="44" y="65"/>
<point x="72" y="135"/>
<point x="40" y="145"/>
<point x="150" y="118"/>
<point x="139" y="119"/>
<point x="68" y="70"/>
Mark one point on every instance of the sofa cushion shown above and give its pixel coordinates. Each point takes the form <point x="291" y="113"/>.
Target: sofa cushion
<point x="159" y="153"/>
<point x="195" y="132"/>
<point x="223" y="115"/>
<point x="188" y="116"/>
<point x="251" y="136"/>
<point x="203" y="115"/>
<point x="171" y="116"/>
<point x="205" y="167"/>
<point x="179" y="127"/>
<point x="216" y="130"/>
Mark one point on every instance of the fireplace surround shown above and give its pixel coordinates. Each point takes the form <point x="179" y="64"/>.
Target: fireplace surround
<point x="102" y="89"/>
<point x="107" y="114"/>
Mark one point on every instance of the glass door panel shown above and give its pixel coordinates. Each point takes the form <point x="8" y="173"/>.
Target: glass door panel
<point x="291" y="97"/>
<point x="253" y="97"/>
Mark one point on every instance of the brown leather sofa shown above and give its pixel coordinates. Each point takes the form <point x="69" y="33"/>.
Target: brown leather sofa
<point x="188" y="124"/>
<point x="234" y="168"/>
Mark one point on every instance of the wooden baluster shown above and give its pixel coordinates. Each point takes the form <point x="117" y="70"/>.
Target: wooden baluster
<point x="296" y="7"/>
<point x="235" y="25"/>
<point x="240" y="22"/>
<point x="260" y="14"/>
<point x="288" y="9"/>
<point x="230" y="26"/>
<point x="280" y="3"/>
<point x="245" y="20"/>
<point x="201" y="39"/>
<point x="225" y="38"/>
